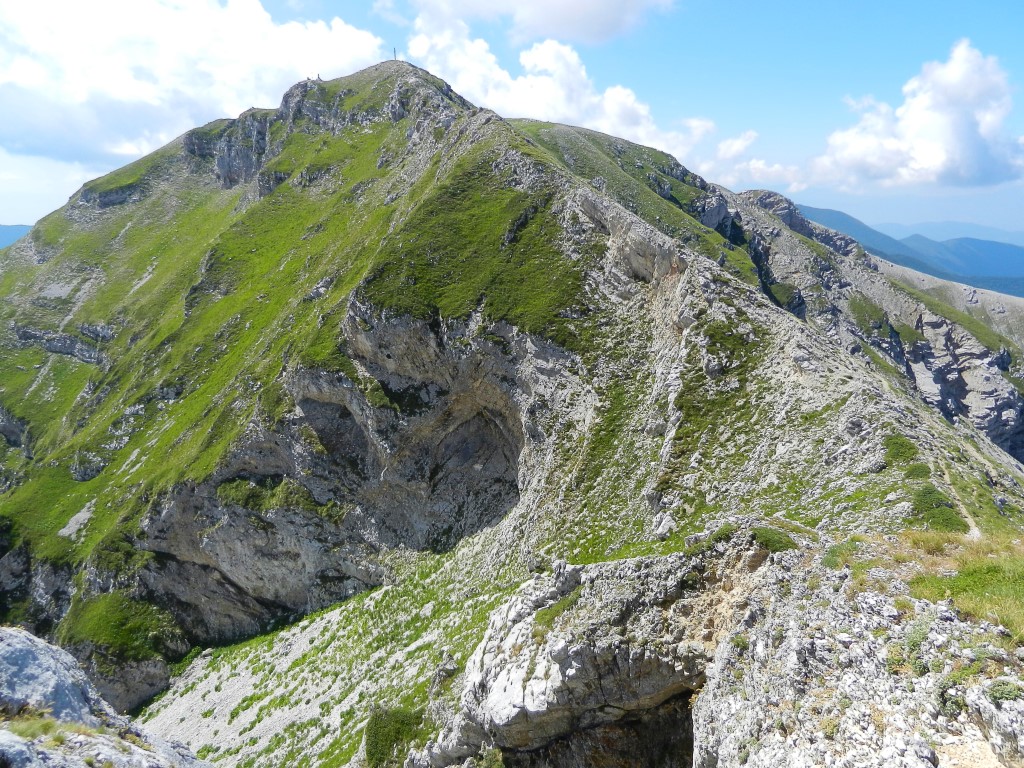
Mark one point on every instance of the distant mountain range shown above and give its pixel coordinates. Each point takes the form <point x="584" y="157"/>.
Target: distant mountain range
<point x="952" y="230"/>
<point x="11" y="232"/>
<point x="991" y="264"/>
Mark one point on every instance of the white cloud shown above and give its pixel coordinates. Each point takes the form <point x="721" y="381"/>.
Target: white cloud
<point x="948" y="130"/>
<point x="730" y="149"/>
<point x="75" y="80"/>
<point x="555" y="87"/>
<point x="39" y="184"/>
<point x="227" y="56"/>
<point x="387" y="11"/>
<point x="581" y="20"/>
<point x="100" y="84"/>
<point x="753" y="173"/>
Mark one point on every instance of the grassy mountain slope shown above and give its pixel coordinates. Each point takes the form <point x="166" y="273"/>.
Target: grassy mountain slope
<point x="164" y="281"/>
<point x="401" y="354"/>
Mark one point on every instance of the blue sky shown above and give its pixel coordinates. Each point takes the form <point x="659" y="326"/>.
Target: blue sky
<point x="892" y="111"/>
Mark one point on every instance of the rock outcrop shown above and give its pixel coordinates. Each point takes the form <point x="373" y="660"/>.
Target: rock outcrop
<point x="50" y="715"/>
<point x="951" y="369"/>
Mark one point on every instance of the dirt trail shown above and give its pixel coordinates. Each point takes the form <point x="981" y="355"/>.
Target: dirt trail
<point x="974" y="532"/>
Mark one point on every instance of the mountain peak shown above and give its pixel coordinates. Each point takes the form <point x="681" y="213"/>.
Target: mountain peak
<point x="495" y="400"/>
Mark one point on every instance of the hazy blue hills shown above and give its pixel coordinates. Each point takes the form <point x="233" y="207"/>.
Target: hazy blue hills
<point x="997" y="266"/>
<point x="870" y="239"/>
<point x="11" y="232"/>
<point x="952" y="230"/>
<point x="970" y="256"/>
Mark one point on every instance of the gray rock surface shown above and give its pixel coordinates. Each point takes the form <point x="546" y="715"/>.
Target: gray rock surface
<point x="34" y="674"/>
<point x="50" y="715"/>
<point x="951" y="369"/>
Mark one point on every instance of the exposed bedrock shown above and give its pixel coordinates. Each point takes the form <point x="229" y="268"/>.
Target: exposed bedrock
<point x="37" y="680"/>
<point x="951" y="369"/>
<point x="596" y="665"/>
<point x="431" y="444"/>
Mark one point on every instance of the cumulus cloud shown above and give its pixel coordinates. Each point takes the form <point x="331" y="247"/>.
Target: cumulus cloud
<point x="78" y="83"/>
<point x="729" y="149"/>
<point x="576" y="20"/>
<point x="554" y="86"/>
<point x="41" y="184"/>
<point x="948" y="130"/>
<point x="151" y="51"/>
<point x="99" y="85"/>
<point x="751" y="173"/>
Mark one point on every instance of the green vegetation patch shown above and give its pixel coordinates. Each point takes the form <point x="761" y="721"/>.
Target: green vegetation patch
<point x="1005" y="690"/>
<point x="773" y="540"/>
<point x="977" y="328"/>
<point x="899" y="449"/>
<point x="133" y="173"/>
<point x="840" y="555"/>
<point x="127" y="628"/>
<point x="783" y="293"/>
<point x="475" y="242"/>
<point x="546" y="616"/>
<point x="264" y="494"/>
<point x="706" y="402"/>
<point x="918" y="471"/>
<point x="641" y="179"/>
<point x="389" y="731"/>
<point x="869" y="317"/>
<point x="988" y="590"/>
<point x="936" y="510"/>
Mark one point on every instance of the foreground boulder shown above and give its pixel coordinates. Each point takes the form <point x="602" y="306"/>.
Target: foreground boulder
<point x="50" y="715"/>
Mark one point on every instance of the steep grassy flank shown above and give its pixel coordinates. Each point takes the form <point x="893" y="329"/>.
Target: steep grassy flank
<point x="197" y="306"/>
<point x="133" y="173"/>
<point x="475" y="242"/>
<point x="132" y="629"/>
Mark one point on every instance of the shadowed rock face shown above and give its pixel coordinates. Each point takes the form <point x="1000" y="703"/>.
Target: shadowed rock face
<point x="440" y="463"/>
<point x="661" y="738"/>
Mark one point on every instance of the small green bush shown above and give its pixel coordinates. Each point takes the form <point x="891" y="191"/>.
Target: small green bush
<point x="491" y="758"/>
<point x="899" y="449"/>
<point x="935" y="510"/>
<point x="840" y="555"/>
<point x="918" y="471"/>
<point x="265" y="494"/>
<point x="773" y="540"/>
<point x="720" y="536"/>
<point x="895" y="660"/>
<point x="30" y="728"/>
<point x="740" y="642"/>
<point x="1004" y="690"/>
